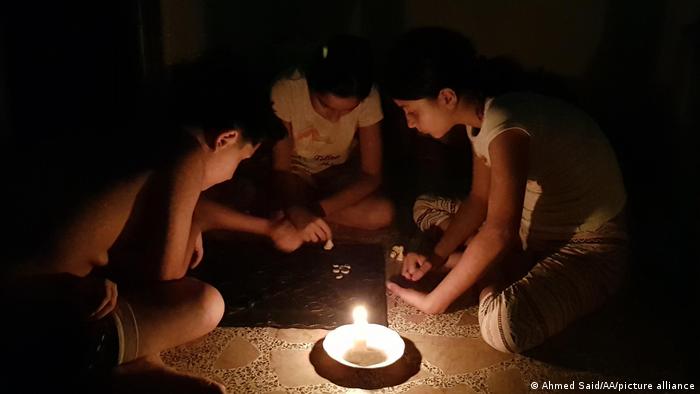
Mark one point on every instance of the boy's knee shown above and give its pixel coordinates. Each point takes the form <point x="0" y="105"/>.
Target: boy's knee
<point x="214" y="303"/>
<point x="210" y="304"/>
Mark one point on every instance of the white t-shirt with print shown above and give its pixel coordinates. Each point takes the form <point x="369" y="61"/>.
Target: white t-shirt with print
<point x="318" y="142"/>
<point x="574" y="183"/>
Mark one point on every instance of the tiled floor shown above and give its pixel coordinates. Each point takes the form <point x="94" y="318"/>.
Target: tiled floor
<point x="454" y="357"/>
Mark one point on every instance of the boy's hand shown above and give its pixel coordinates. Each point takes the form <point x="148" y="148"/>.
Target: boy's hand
<point x="100" y="291"/>
<point x="285" y="236"/>
<point x="198" y="252"/>
<point x="415" y="266"/>
<point x="82" y="297"/>
<point x="312" y="228"/>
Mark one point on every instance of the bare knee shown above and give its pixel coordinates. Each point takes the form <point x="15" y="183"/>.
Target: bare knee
<point x="208" y="304"/>
<point x="213" y="304"/>
<point x="193" y="307"/>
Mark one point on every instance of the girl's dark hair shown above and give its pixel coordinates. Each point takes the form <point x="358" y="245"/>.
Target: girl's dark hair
<point x="342" y="66"/>
<point x="426" y="60"/>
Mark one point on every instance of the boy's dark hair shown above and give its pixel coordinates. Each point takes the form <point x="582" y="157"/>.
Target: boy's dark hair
<point x="426" y="60"/>
<point x="342" y="66"/>
<point x="219" y="93"/>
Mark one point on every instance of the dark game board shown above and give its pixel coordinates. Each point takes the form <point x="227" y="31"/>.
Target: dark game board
<point x="264" y="287"/>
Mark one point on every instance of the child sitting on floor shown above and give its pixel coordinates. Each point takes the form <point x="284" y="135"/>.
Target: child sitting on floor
<point x="143" y="220"/>
<point x="328" y="108"/>
<point x="544" y="221"/>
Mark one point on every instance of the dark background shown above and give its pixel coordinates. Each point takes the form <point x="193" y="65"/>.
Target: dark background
<point x="70" y="71"/>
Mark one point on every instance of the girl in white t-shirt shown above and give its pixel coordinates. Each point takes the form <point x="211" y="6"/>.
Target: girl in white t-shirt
<point x="331" y="109"/>
<point x="542" y="224"/>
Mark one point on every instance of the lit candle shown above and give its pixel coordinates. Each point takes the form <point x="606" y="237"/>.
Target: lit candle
<point x="359" y="316"/>
<point x="363" y="345"/>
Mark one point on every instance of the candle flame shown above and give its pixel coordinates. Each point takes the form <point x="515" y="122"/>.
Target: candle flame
<point x="359" y="315"/>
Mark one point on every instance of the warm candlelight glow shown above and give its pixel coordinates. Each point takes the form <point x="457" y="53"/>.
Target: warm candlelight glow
<point x="359" y="315"/>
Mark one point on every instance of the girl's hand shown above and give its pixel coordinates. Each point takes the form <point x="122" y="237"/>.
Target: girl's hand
<point x="412" y="297"/>
<point x="316" y="231"/>
<point x="415" y="266"/>
<point x="312" y="228"/>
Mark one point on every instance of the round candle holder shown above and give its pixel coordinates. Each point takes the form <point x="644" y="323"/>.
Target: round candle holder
<point x="342" y="343"/>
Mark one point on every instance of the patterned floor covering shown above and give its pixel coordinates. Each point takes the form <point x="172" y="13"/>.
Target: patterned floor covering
<point x="613" y="346"/>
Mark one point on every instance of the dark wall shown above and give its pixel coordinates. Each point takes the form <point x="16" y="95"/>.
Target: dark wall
<point x="67" y="65"/>
<point x="70" y="74"/>
<point x="629" y="63"/>
<point x="632" y="64"/>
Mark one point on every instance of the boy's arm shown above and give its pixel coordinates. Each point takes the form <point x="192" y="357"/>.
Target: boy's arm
<point x="215" y="216"/>
<point x="211" y="215"/>
<point x="183" y="189"/>
<point x="371" y="177"/>
<point x="156" y="239"/>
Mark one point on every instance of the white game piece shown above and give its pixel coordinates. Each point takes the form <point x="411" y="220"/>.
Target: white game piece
<point x="329" y="245"/>
<point x="345" y="271"/>
<point x="336" y="270"/>
<point x="393" y="254"/>
<point x="339" y="276"/>
<point x="400" y="257"/>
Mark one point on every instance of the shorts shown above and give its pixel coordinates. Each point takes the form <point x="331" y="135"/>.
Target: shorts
<point x="74" y="356"/>
<point x="112" y="340"/>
